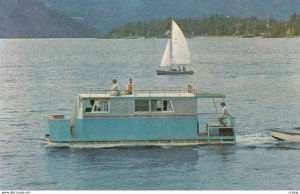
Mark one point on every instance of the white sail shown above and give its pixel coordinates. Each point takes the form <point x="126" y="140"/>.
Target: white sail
<point x="166" y="60"/>
<point x="180" y="50"/>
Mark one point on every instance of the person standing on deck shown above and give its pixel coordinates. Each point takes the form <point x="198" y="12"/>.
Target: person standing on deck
<point x="224" y="114"/>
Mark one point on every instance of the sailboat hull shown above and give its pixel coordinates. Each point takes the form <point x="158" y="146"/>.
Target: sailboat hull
<point x="162" y="72"/>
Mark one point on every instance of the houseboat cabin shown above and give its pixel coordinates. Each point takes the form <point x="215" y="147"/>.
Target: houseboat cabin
<point x="154" y="117"/>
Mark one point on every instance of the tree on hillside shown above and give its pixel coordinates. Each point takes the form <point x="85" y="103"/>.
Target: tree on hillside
<point x="213" y="25"/>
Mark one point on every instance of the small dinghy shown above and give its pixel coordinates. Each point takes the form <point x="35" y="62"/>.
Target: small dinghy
<point x="285" y="136"/>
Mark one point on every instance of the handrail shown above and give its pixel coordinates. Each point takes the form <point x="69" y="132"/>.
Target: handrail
<point x="165" y="90"/>
<point x="146" y="89"/>
<point x="213" y="117"/>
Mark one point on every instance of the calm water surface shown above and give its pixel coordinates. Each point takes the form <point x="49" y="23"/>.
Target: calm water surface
<point x="261" y="78"/>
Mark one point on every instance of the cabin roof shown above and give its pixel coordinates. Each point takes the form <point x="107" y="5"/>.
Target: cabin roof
<point x="157" y="94"/>
<point x="138" y="94"/>
<point x="147" y="92"/>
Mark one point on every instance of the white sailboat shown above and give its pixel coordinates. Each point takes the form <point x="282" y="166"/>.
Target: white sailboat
<point x="177" y="54"/>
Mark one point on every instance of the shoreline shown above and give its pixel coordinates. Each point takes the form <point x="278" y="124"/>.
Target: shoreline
<point x="199" y="37"/>
<point x="115" y="38"/>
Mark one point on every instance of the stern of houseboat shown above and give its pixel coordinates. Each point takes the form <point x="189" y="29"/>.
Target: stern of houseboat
<point x="214" y="132"/>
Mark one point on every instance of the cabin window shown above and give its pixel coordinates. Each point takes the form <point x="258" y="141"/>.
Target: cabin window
<point x="87" y="104"/>
<point x="141" y="105"/>
<point x="156" y="105"/>
<point x="100" y="106"/>
<point x="167" y="106"/>
<point x="96" y="105"/>
<point x="159" y="105"/>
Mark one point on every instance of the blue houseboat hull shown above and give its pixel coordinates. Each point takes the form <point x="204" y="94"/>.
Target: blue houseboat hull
<point x="111" y="132"/>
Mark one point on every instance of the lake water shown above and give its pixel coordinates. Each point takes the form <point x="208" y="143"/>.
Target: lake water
<point x="261" y="78"/>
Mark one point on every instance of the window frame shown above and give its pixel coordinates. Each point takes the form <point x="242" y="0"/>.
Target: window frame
<point x="171" y="105"/>
<point x="96" y="103"/>
<point x="151" y="101"/>
<point x="99" y="101"/>
<point x="162" y="105"/>
<point x="142" y="111"/>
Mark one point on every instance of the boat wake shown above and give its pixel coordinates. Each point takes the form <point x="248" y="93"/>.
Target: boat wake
<point x="254" y="139"/>
<point x="264" y="140"/>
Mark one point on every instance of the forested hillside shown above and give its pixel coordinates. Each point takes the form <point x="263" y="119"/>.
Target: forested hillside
<point x="146" y="18"/>
<point x="211" y="26"/>
<point x="105" y="15"/>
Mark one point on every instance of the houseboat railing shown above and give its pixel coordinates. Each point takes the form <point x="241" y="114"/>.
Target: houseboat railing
<point x="145" y="89"/>
<point x="212" y="118"/>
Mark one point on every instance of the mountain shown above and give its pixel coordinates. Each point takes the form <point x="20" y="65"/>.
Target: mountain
<point x="32" y="19"/>
<point x="89" y="18"/>
<point x="107" y="14"/>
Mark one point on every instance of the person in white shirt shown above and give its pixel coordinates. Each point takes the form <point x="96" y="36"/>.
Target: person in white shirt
<point x="224" y="115"/>
<point x="114" y="89"/>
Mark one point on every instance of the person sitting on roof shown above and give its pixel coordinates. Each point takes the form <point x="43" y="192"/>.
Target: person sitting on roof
<point x="129" y="87"/>
<point x="114" y="89"/>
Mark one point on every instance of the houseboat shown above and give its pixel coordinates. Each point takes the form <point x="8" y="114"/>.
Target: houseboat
<point x="147" y="117"/>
